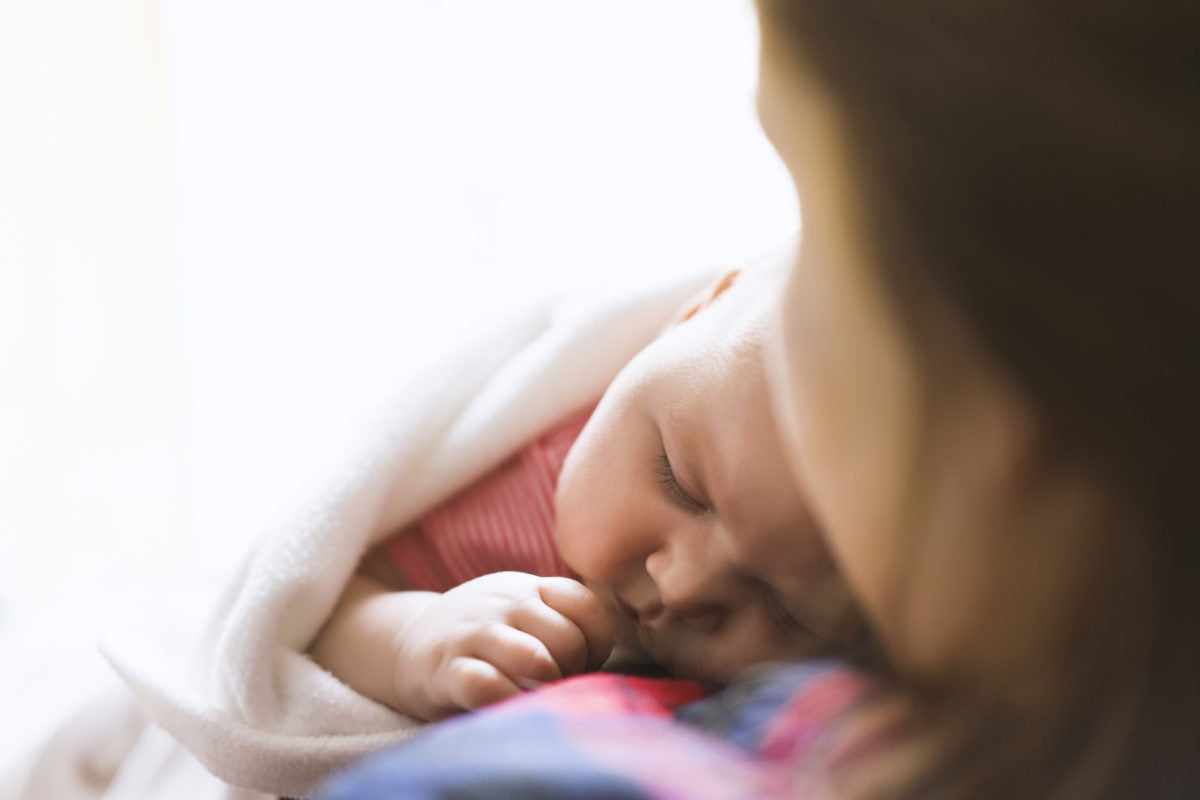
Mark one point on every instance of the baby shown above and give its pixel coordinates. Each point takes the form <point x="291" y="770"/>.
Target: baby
<point x="674" y="509"/>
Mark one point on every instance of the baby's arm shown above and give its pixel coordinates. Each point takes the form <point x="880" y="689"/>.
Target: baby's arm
<point x="431" y="655"/>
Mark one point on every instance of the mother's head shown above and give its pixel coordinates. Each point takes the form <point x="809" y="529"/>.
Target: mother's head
<point x="988" y="373"/>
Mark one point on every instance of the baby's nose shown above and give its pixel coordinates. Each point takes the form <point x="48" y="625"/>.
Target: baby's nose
<point x="699" y="591"/>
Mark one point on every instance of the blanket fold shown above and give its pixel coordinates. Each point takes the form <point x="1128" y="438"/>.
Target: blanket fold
<point x="244" y="698"/>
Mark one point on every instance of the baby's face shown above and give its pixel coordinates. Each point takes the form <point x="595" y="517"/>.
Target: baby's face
<point x="677" y="507"/>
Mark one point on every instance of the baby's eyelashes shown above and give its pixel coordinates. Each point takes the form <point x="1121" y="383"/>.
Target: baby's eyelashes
<point x="672" y="488"/>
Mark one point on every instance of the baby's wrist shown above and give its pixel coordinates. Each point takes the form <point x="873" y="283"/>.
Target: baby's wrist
<point x="406" y="654"/>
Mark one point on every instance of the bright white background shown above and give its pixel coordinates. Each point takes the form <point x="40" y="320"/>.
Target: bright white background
<point x="226" y="226"/>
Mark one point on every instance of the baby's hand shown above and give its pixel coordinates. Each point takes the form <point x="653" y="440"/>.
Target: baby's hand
<point x="493" y="636"/>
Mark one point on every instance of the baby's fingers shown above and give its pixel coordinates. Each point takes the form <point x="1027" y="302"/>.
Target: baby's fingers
<point x="522" y="657"/>
<point x="584" y="609"/>
<point x="474" y="683"/>
<point x="565" y="641"/>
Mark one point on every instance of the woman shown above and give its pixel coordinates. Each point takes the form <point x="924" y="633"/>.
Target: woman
<point x="985" y="374"/>
<point x="988" y="376"/>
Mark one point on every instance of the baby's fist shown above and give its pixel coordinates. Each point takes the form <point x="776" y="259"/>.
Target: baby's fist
<point x="493" y="636"/>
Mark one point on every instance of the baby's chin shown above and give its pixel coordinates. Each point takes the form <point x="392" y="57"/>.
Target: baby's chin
<point x="684" y="655"/>
<point x="639" y="644"/>
<point x="634" y="655"/>
<point x="638" y="650"/>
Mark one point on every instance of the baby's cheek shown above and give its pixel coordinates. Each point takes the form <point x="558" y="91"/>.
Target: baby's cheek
<point x="582" y="518"/>
<point x="760" y="641"/>
<point x="570" y="522"/>
<point x="601" y="523"/>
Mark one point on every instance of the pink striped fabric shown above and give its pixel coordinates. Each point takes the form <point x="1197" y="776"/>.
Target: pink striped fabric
<point x="503" y="521"/>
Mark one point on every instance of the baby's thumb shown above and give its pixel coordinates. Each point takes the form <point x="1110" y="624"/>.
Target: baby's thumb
<point x="582" y="606"/>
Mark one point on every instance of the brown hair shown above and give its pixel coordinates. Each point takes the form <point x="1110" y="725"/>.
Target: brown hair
<point x="1034" y="165"/>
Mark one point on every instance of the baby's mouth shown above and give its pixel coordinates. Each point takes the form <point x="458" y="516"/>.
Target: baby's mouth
<point x="640" y="629"/>
<point x="626" y="610"/>
<point x="651" y="629"/>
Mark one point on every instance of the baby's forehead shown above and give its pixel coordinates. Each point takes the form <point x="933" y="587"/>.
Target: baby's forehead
<point x="717" y="358"/>
<point x="718" y="376"/>
<point x="710" y="362"/>
<point x="746" y="314"/>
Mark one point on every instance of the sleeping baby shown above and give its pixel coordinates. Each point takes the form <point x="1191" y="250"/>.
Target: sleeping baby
<point x="661" y="526"/>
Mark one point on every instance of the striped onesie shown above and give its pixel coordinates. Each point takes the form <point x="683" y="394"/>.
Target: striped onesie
<point x="503" y="521"/>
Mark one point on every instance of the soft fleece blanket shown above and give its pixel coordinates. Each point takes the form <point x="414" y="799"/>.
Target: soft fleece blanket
<point x="241" y="695"/>
<point x="613" y="736"/>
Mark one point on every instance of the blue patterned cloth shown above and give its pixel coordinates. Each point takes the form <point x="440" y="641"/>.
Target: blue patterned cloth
<point x="625" y="738"/>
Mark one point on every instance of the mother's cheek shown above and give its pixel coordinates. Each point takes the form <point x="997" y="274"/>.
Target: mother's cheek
<point x="850" y="400"/>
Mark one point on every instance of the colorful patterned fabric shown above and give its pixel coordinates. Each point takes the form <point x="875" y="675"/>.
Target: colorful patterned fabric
<point x="503" y="521"/>
<point x="617" y="736"/>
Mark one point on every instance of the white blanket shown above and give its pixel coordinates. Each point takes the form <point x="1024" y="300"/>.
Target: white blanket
<point x="240" y="694"/>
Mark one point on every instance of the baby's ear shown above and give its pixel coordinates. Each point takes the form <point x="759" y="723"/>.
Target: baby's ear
<point x="703" y="298"/>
